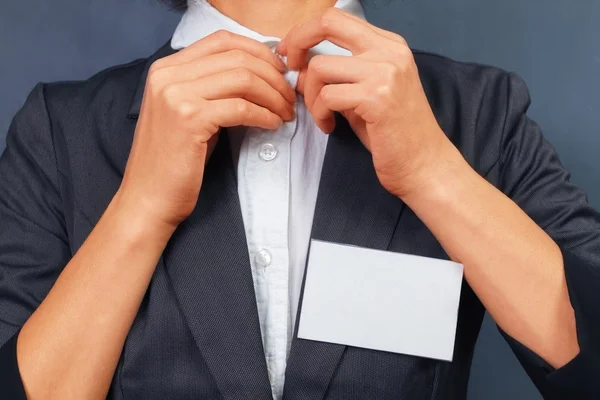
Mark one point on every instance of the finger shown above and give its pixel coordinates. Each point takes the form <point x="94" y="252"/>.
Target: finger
<point x="234" y="112"/>
<point x="324" y="70"/>
<point x="243" y="84"/>
<point x="226" y="61"/>
<point x="332" y="25"/>
<point x="342" y="97"/>
<point x="382" y="32"/>
<point x="222" y="41"/>
<point x="326" y="120"/>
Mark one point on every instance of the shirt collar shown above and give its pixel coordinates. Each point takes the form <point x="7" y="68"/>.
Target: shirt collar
<point x="201" y="19"/>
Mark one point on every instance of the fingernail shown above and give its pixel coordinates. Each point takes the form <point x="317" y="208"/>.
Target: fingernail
<point x="280" y="63"/>
<point x="281" y="48"/>
<point x="282" y="67"/>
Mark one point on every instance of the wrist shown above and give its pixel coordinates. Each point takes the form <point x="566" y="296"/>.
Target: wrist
<point x="136" y="221"/>
<point x="439" y="177"/>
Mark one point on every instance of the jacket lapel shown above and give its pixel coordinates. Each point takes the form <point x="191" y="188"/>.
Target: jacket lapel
<point x="208" y="265"/>
<point x="352" y="208"/>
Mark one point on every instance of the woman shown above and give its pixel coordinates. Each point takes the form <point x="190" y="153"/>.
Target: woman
<point x="120" y="277"/>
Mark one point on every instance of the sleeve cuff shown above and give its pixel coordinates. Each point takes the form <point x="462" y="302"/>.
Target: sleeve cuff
<point x="579" y="378"/>
<point x="10" y="377"/>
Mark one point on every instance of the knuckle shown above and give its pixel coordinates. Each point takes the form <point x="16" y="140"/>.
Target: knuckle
<point x="402" y="40"/>
<point x="244" y="78"/>
<point x="156" y="74"/>
<point x="389" y="71"/>
<point x="153" y="87"/>
<point x="239" y="56"/>
<point x="221" y="37"/>
<point x="325" y="95"/>
<point x="405" y="54"/>
<point x="242" y="107"/>
<point x="327" y="19"/>
<point x="185" y="110"/>
<point x="383" y="93"/>
<point x="157" y="77"/>
<point x="171" y="94"/>
<point x="331" y="13"/>
<point x="155" y="66"/>
<point x="316" y="63"/>
<point x="223" y="34"/>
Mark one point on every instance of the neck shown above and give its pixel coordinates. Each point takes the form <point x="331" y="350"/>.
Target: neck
<point x="270" y="17"/>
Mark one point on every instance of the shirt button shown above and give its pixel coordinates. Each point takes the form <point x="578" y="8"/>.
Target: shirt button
<point x="267" y="152"/>
<point x="263" y="258"/>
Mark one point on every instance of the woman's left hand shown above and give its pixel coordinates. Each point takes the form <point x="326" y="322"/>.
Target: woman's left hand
<point x="377" y="89"/>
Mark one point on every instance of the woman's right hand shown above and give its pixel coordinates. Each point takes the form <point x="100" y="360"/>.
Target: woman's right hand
<point x="222" y="80"/>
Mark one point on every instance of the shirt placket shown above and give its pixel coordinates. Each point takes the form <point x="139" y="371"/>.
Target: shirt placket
<point x="267" y="191"/>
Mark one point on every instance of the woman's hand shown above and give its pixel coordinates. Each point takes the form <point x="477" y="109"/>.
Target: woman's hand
<point x="514" y="266"/>
<point x="220" y="81"/>
<point x="378" y="90"/>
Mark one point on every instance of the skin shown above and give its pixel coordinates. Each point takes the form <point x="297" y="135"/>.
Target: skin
<point x="70" y="346"/>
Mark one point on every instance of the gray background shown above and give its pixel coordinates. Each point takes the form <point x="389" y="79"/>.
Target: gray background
<point x="553" y="44"/>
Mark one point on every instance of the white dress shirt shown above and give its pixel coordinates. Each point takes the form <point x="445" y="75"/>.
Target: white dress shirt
<point x="278" y="174"/>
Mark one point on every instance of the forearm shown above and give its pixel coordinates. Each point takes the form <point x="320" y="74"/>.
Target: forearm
<point x="513" y="266"/>
<point x="70" y="346"/>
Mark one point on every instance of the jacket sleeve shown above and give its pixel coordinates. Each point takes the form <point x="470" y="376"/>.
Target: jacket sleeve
<point x="532" y="176"/>
<point x="33" y="241"/>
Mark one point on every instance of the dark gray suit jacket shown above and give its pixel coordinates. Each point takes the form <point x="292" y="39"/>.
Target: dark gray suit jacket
<point x="196" y="335"/>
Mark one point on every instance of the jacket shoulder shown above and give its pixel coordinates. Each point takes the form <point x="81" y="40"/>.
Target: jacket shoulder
<point x="468" y="75"/>
<point x="89" y="124"/>
<point x="471" y="102"/>
<point x="110" y="90"/>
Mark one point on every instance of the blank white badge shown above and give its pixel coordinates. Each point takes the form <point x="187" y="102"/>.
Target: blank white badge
<point x="381" y="300"/>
